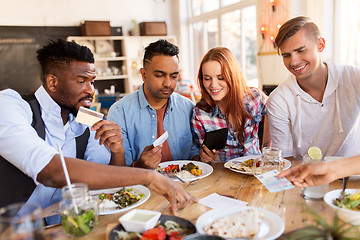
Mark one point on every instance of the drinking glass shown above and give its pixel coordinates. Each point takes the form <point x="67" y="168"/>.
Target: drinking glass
<point x="271" y="159"/>
<point x="316" y="192"/>
<point x="21" y="221"/>
<point x="78" y="210"/>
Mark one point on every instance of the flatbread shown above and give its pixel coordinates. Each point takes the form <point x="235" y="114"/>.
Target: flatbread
<point x="244" y="224"/>
<point x="239" y="166"/>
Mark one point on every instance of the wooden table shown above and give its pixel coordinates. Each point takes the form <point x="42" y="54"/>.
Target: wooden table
<point x="287" y="204"/>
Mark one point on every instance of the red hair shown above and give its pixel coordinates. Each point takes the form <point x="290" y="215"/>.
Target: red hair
<point x="238" y="88"/>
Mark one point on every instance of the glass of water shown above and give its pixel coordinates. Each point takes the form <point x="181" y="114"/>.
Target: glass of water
<point x="316" y="192"/>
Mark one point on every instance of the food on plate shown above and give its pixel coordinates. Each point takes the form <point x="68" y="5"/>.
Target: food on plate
<point x="120" y="199"/>
<point x="80" y="224"/>
<point x="169" y="230"/>
<point x="187" y="171"/>
<point x="192" y="168"/>
<point x="172" y="168"/>
<point x="244" y="224"/>
<point x="350" y="201"/>
<point x="246" y="166"/>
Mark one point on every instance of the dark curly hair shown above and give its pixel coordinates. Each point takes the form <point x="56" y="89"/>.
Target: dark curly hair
<point x="57" y="55"/>
<point x="160" y="47"/>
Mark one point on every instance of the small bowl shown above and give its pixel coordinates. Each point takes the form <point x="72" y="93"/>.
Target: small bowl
<point x="139" y="220"/>
<point x="347" y="215"/>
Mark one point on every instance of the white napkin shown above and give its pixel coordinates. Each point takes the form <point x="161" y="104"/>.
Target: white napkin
<point x="215" y="200"/>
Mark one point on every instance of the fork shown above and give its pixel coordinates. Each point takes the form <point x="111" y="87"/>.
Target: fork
<point x="342" y="194"/>
<point x="171" y="174"/>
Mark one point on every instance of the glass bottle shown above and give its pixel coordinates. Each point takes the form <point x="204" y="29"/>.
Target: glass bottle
<point x="78" y="210"/>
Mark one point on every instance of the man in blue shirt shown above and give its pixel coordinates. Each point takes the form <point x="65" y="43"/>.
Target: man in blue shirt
<point x="147" y="113"/>
<point x="68" y="75"/>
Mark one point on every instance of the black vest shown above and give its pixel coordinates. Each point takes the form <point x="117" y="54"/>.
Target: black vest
<point x="15" y="186"/>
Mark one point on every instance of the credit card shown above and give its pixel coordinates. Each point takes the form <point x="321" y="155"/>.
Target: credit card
<point x="161" y="139"/>
<point x="88" y="116"/>
<point x="273" y="183"/>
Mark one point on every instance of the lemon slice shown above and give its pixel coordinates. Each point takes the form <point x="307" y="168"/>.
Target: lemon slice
<point x="315" y="153"/>
<point x="72" y="222"/>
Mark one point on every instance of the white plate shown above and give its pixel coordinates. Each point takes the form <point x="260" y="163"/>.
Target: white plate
<point x="136" y="189"/>
<point x="287" y="163"/>
<point x="272" y="225"/>
<point x="206" y="168"/>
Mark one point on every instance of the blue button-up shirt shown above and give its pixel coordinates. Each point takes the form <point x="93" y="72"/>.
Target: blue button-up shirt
<point x="137" y="120"/>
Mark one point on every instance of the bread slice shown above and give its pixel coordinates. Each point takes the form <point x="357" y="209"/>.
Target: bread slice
<point x="244" y="224"/>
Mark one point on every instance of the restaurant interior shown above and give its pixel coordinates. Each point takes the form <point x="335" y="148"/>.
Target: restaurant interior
<point x="117" y="31"/>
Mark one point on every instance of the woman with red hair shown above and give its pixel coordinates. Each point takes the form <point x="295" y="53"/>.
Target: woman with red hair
<point x="227" y="102"/>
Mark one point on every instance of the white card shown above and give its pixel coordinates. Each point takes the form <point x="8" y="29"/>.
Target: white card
<point x="161" y="139"/>
<point x="273" y="183"/>
<point x="215" y="200"/>
<point x="88" y="116"/>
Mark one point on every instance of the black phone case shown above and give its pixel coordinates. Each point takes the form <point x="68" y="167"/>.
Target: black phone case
<point x="216" y="139"/>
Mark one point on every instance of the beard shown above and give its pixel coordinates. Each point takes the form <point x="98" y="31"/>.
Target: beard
<point x="73" y="109"/>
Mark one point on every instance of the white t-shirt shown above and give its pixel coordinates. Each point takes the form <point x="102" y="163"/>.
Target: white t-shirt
<point x="297" y="121"/>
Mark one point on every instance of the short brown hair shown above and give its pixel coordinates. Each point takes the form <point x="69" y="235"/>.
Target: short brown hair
<point x="292" y="26"/>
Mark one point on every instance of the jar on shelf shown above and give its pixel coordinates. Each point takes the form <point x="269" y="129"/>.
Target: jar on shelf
<point x="79" y="212"/>
<point x="270" y="159"/>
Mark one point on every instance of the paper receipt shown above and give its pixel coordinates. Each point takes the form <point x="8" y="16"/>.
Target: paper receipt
<point x="161" y="139"/>
<point x="88" y="116"/>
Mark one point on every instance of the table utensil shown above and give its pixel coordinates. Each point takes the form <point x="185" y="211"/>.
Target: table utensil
<point x="21" y="221"/>
<point x="342" y="194"/>
<point x="172" y="175"/>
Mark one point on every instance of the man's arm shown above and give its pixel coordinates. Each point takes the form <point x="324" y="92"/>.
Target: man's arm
<point x="98" y="176"/>
<point x="307" y="175"/>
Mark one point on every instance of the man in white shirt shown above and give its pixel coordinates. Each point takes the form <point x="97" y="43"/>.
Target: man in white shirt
<point x="320" y="104"/>
<point x="68" y="72"/>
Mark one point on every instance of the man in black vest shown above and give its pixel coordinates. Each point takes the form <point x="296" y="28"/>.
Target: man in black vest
<point x="31" y="129"/>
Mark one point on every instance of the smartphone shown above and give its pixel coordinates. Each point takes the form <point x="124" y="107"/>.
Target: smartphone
<point x="216" y="139"/>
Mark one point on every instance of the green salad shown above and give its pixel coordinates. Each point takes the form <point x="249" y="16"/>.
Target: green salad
<point x="123" y="198"/>
<point x="350" y="201"/>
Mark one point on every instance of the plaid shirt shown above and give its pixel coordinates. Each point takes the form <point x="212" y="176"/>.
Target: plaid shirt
<point x="202" y="122"/>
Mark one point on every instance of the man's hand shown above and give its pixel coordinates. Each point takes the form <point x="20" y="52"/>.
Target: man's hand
<point x="310" y="174"/>
<point x="149" y="158"/>
<point x="206" y="155"/>
<point x="172" y="191"/>
<point x="109" y="134"/>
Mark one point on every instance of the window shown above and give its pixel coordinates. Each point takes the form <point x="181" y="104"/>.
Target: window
<point x="228" y="23"/>
<point x="347" y="35"/>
